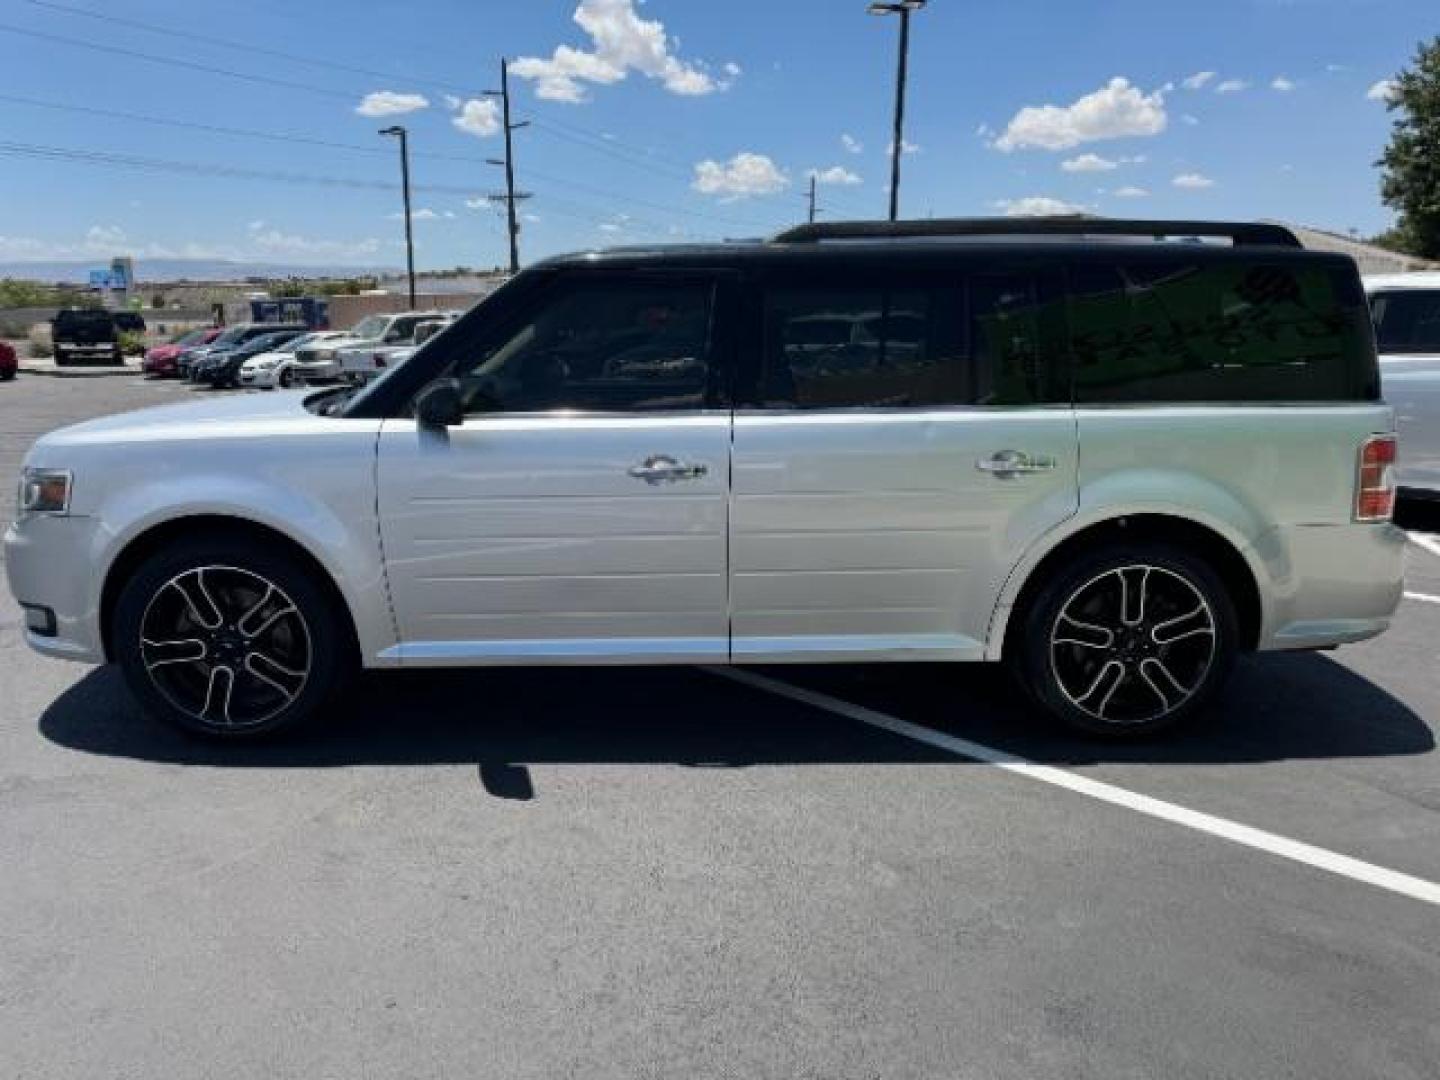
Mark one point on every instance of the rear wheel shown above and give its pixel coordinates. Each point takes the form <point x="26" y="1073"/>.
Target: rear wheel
<point x="229" y="639"/>
<point x="1127" y="640"/>
<point x="287" y="379"/>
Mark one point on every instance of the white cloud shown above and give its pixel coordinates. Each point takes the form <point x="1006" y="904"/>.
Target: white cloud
<point x="1232" y="86"/>
<point x="256" y="225"/>
<point x="1335" y="69"/>
<point x="1088" y="163"/>
<point x="1384" y="90"/>
<point x="1131" y="192"/>
<point x="478" y="116"/>
<point x="104" y="235"/>
<point x="1192" y="121"/>
<point x="836" y="174"/>
<point x="1036" y="206"/>
<point x="273" y="240"/>
<point x="852" y="144"/>
<point x="389" y="103"/>
<point x="1193" y="181"/>
<point x="1282" y="84"/>
<point x="423" y="214"/>
<point x="1198" y="80"/>
<point x="906" y="147"/>
<point x="744" y="175"/>
<point x="1115" y="111"/>
<point x="452" y="102"/>
<point x="621" y="42"/>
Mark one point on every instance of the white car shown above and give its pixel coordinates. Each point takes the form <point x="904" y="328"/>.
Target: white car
<point x="364" y="362"/>
<point x="284" y="369"/>
<point x="1110" y="463"/>
<point x="1406" y="310"/>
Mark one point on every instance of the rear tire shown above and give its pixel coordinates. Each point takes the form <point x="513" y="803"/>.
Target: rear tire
<point x="1127" y="640"/>
<point x="229" y="639"/>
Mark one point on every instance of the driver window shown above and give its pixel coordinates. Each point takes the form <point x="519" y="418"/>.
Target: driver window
<point x="599" y="348"/>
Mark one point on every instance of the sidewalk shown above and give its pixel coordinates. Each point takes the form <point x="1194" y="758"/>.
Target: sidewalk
<point x="30" y="366"/>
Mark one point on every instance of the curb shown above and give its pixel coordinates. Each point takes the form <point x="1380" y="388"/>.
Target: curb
<point x="79" y="372"/>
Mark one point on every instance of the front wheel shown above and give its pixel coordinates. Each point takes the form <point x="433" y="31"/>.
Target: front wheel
<point x="229" y="639"/>
<point x="1128" y="640"/>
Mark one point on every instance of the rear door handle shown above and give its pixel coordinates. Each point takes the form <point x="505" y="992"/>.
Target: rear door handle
<point x="662" y="469"/>
<point x="1007" y="463"/>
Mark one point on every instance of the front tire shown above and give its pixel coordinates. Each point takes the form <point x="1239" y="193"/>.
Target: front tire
<point x="1127" y="641"/>
<point x="229" y="639"/>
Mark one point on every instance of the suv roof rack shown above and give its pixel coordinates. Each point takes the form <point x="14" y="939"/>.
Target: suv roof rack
<point x="1240" y="233"/>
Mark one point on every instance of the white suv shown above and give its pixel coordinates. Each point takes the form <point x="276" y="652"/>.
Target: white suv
<point x="1110" y="462"/>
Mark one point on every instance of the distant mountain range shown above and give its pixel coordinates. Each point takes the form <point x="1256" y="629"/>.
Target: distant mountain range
<point x="77" y="272"/>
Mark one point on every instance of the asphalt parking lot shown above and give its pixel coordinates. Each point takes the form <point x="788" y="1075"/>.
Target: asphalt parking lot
<point x="677" y="873"/>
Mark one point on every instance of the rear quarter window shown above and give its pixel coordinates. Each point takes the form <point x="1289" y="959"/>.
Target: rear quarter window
<point x="1225" y="331"/>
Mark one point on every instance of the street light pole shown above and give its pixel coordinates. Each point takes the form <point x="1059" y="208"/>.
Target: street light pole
<point x="405" y="186"/>
<point x="903" y="8"/>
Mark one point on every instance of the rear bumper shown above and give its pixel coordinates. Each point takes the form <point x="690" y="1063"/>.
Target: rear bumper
<point x="1329" y="584"/>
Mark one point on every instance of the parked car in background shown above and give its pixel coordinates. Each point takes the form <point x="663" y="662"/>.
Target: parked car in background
<point x="1406" y="312"/>
<point x="281" y="368"/>
<point x="162" y="360"/>
<point x="9" y="362"/>
<point x="230" y="338"/>
<point x="361" y="365"/>
<point x="85" y="336"/>
<point x="354" y="353"/>
<point x="222" y="370"/>
<point x="1108" y="462"/>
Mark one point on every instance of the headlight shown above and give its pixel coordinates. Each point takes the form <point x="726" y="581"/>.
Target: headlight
<point x="264" y="365"/>
<point x="45" y="491"/>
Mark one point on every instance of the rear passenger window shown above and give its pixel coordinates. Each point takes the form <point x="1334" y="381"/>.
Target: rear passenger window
<point x="855" y="347"/>
<point x="956" y="340"/>
<point x="1180" y="331"/>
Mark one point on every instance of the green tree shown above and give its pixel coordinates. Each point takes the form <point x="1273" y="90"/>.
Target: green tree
<point x="15" y="294"/>
<point x="1410" y="181"/>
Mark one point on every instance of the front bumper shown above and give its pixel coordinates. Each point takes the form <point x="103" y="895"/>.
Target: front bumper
<point x="1330" y="584"/>
<point x="263" y="377"/>
<point x="49" y="563"/>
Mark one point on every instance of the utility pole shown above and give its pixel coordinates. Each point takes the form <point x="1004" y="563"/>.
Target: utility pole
<point x="903" y="8"/>
<point x="812" y="198"/>
<point x="511" y="195"/>
<point x="405" y="186"/>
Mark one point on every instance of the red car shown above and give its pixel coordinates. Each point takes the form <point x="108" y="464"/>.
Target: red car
<point x="161" y="359"/>
<point x="9" y="363"/>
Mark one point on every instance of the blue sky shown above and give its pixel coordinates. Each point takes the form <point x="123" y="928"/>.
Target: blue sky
<point x="671" y="119"/>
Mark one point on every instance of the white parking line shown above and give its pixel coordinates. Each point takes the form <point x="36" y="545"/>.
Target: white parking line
<point x="1429" y="543"/>
<point x="1422" y="596"/>
<point x="1320" y="858"/>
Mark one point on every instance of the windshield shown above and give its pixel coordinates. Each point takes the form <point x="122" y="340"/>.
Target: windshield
<point x="1407" y="320"/>
<point x="229" y="337"/>
<point x="371" y="327"/>
<point x="191" y="337"/>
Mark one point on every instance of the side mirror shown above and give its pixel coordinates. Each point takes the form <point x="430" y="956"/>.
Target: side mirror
<point x="440" y="405"/>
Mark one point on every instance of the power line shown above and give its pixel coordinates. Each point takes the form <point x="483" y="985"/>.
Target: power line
<point x="208" y="69"/>
<point x="198" y="168"/>
<point x="220" y="129"/>
<point x="308" y="61"/>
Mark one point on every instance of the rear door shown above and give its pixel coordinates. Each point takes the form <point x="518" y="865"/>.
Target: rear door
<point x="902" y="438"/>
<point x="579" y="512"/>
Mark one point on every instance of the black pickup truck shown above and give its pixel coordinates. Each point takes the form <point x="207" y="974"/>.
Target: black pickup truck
<point x="91" y="336"/>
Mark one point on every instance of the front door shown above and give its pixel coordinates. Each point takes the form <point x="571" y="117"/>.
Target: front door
<point x="579" y="512"/>
<point x="901" y="442"/>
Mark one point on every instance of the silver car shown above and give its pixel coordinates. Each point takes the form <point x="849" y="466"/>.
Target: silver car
<point x="1110" y="463"/>
<point x="1406" y="309"/>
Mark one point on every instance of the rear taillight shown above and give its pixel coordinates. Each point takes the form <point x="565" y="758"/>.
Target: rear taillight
<point x="1375" y="482"/>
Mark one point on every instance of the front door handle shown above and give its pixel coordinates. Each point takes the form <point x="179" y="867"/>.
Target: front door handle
<point x="661" y="469"/>
<point x="1008" y="463"/>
